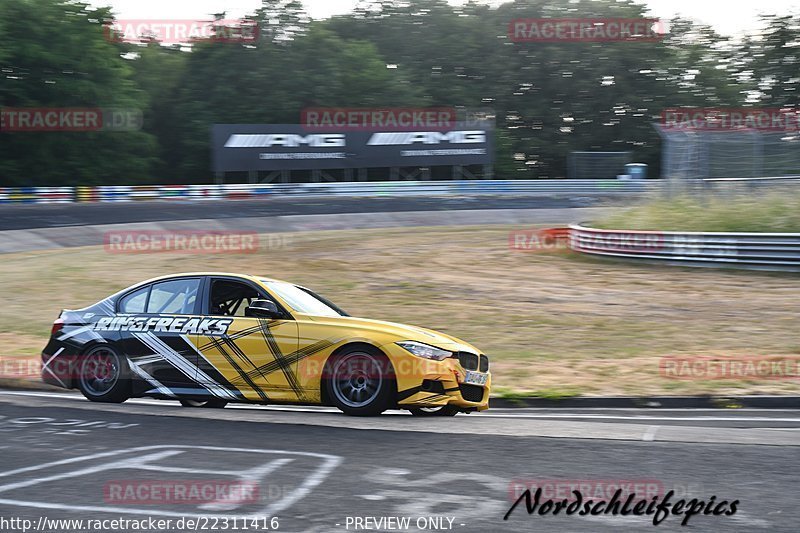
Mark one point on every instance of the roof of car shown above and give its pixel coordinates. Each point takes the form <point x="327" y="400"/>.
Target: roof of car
<point x="221" y="274"/>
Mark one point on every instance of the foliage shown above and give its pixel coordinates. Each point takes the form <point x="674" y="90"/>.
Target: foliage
<point x="550" y="98"/>
<point x="53" y="54"/>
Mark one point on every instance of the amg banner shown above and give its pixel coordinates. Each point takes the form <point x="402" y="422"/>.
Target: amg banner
<point x="245" y="147"/>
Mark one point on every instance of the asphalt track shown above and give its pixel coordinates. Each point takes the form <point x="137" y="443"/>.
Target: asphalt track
<point x="317" y="468"/>
<point x="30" y="216"/>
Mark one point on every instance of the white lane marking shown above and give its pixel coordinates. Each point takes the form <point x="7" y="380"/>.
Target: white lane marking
<point x="565" y="415"/>
<point x="163" y="403"/>
<point x="132" y="463"/>
<point x="253" y="475"/>
<point x="634" y="417"/>
<point x="650" y="434"/>
<point x="373" y="497"/>
<point x="152" y="453"/>
<point x="640" y="409"/>
<point x="744" y="518"/>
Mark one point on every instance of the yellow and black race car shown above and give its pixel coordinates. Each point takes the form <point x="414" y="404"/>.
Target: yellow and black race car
<point x="207" y="339"/>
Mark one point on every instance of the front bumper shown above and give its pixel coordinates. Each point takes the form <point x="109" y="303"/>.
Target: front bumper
<point x="425" y="383"/>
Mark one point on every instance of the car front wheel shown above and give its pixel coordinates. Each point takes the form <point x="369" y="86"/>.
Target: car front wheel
<point x="361" y="382"/>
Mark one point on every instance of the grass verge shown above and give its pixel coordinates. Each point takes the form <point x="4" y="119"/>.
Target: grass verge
<point x="771" y="212"/>
<point x="552" y="326"/>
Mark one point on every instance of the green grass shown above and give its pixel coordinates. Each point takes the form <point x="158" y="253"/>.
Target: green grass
<point x="773" y="212"/>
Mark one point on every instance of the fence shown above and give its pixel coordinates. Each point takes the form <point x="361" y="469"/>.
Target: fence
<point x="129" y="193"/>
<point x="764" y="251"/>
<point x="698" y="154"/>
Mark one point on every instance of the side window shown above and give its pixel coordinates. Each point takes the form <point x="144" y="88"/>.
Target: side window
<point x="231" y="298"/>
<point x="134" y="302"/>
<point x="174" y="297"/>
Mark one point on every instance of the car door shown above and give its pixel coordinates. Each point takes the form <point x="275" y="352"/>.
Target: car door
<point x="254" y="358"/>
<point x="158" y="337"/>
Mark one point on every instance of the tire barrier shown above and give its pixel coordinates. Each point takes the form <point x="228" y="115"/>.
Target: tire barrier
<point x="241" y="191"/>
<point x="37" y="195"/>
<point x="761" y="251"/>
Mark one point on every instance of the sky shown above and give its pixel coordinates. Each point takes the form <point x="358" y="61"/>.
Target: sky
<point x="730" y="17"/>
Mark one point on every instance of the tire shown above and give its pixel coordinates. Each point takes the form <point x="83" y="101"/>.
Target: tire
<point x="208" y="404"/>
<point x="104" y="376"/>
<point x="443" y="410"/>
<point x="361" y="382"/>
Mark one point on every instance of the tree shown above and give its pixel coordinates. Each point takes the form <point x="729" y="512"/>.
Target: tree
<point x="770" y="65"/>
<point x="56" y="56"/>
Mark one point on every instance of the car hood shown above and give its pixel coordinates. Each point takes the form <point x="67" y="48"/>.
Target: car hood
<point x="403" y="332"/>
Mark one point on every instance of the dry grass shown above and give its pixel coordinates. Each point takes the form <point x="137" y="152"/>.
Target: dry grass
<point x="739" y="210"/>
<point x="553" y="324"/>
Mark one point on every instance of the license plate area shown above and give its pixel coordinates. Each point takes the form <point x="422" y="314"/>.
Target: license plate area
<point x="476" y="378"/>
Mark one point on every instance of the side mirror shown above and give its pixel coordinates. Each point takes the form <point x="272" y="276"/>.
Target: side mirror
<point x="263" y="309"/>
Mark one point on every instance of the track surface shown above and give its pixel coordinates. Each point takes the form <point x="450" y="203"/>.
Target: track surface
<point x="16" y="217"/>
<point x="393" y="465"/>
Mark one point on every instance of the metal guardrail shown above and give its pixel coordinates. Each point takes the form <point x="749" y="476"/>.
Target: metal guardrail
<point x="762" y="251"/>
<point x="758" y="179"/>
<point x="127" y="193"/>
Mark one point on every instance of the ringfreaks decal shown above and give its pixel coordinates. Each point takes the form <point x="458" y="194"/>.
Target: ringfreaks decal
<point x="195" y="326"/>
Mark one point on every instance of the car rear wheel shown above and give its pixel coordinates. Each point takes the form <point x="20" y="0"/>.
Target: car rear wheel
<point x="361" y="382"/>
<point x="209" y="404"/>
<point x="442" y="410"/>
<point x="104" y="376"/>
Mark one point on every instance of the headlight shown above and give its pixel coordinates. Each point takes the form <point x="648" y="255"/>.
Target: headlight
<point x="425" y="351"/>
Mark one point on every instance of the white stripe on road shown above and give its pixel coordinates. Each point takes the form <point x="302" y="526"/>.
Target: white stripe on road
<point x="650" y="434"/>
<point x="534" y="416"/>
<point x="643" y="418"/>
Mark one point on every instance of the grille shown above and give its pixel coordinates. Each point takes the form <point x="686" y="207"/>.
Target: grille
<point x="484" y="364"/>
<point x="468" y="360"/>
<point x="472" y="393"/>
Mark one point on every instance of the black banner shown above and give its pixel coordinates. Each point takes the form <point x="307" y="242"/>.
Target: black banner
<point x="245" y="147"/>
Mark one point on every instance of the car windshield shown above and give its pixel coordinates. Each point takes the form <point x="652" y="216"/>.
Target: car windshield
<point x="300" y="300"/>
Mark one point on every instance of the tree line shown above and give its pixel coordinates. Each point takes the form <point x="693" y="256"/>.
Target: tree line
<point x="549" y="98"/>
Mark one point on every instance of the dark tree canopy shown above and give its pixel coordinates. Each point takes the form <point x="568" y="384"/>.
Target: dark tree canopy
<point x="550" y="98"/>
